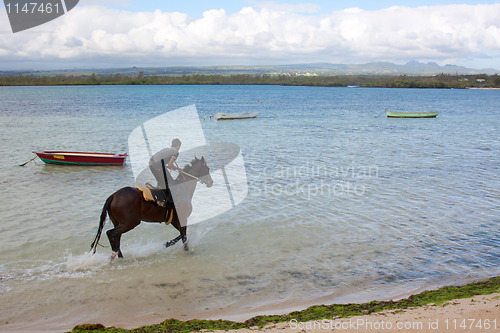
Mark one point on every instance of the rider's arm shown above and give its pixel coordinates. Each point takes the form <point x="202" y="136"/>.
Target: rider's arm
<point x="171" y="163"/>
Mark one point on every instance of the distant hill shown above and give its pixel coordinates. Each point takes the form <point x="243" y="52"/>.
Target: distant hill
<point x="387" y="68"/>
<point x="372" y="68"/>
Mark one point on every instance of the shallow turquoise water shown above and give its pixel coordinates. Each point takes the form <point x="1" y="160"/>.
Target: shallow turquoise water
<point x="342" y="201"/>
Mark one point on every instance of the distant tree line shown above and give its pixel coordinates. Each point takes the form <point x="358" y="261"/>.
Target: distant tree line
<point x="444" y="81"/>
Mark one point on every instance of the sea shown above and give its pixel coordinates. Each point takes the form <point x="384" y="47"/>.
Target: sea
<point x="343" y="203"/>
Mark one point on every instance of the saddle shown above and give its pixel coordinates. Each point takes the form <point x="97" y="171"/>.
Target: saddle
<point x="161" y="197"/>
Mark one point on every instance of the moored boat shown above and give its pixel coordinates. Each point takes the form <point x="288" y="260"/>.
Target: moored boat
<point x="81" y="158"/>
<point x="396" y="114"/>
<point x="231" y="116"/>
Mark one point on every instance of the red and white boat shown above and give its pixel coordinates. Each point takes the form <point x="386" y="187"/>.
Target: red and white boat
<point x="81" y="158"/>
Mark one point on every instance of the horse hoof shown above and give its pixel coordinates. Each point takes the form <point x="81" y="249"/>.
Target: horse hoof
<point x="113" y="255"/>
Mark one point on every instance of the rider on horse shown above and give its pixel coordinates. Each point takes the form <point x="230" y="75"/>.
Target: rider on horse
<point x="160" y="163"/>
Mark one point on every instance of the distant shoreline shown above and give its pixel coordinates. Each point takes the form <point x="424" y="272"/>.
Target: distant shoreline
<point x="441" y="81"/>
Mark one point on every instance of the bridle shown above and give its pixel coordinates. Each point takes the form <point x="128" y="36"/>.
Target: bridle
<point x="200" y="179"/>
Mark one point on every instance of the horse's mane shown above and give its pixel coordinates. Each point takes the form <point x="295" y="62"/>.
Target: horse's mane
<point x="187" y="168"/>
<point x="190" y="165"/>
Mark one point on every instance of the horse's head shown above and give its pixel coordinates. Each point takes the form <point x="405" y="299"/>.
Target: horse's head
<point x="200" y="169"/>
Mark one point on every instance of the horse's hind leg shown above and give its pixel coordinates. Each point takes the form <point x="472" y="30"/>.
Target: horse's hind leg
<point x="124" y="212"/>
<point x="114" y="236"/>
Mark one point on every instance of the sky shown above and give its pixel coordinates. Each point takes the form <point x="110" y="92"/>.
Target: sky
<point x="127" y="33"/>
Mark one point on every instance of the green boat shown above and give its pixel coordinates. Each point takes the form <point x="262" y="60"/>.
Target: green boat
<point x="395" y="114"/>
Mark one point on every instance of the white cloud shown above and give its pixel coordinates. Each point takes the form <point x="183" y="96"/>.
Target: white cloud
<point x="297" y="8"/>
<point x="263" y="35"/>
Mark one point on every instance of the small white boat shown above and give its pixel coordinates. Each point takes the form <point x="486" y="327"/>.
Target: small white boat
<point x="231" y="116"/>
<point x="396" y="114"/>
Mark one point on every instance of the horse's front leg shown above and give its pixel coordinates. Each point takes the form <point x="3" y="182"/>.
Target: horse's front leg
<point x="184" y="238"/>
<point x="173" y="241"/>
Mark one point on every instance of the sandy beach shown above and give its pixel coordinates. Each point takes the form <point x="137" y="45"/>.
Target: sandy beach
<point x="480" y="313"/>
<point x="476" y="314"/>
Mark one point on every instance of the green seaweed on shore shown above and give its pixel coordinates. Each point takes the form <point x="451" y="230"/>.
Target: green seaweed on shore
<point x="167" y="326"/>
<point x="316" y="312"/>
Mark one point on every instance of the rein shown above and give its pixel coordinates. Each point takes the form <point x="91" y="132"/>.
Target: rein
<point x="197" y="178"/>
<point x="182" y="172"/>
<point x="187" y="174"/>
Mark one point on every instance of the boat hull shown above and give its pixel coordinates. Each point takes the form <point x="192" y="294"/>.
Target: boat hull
<point x="395" y="114"/>
<point x="232" y="116"/>
<point x="81" y="158"/>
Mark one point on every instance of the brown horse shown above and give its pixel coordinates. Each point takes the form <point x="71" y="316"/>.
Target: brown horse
<point x="127" y="208"/>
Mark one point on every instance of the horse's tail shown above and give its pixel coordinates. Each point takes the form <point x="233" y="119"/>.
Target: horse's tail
<point x="104" y="213"/>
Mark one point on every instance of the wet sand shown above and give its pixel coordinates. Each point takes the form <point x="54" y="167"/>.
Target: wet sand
<point x="476" y="314"/>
